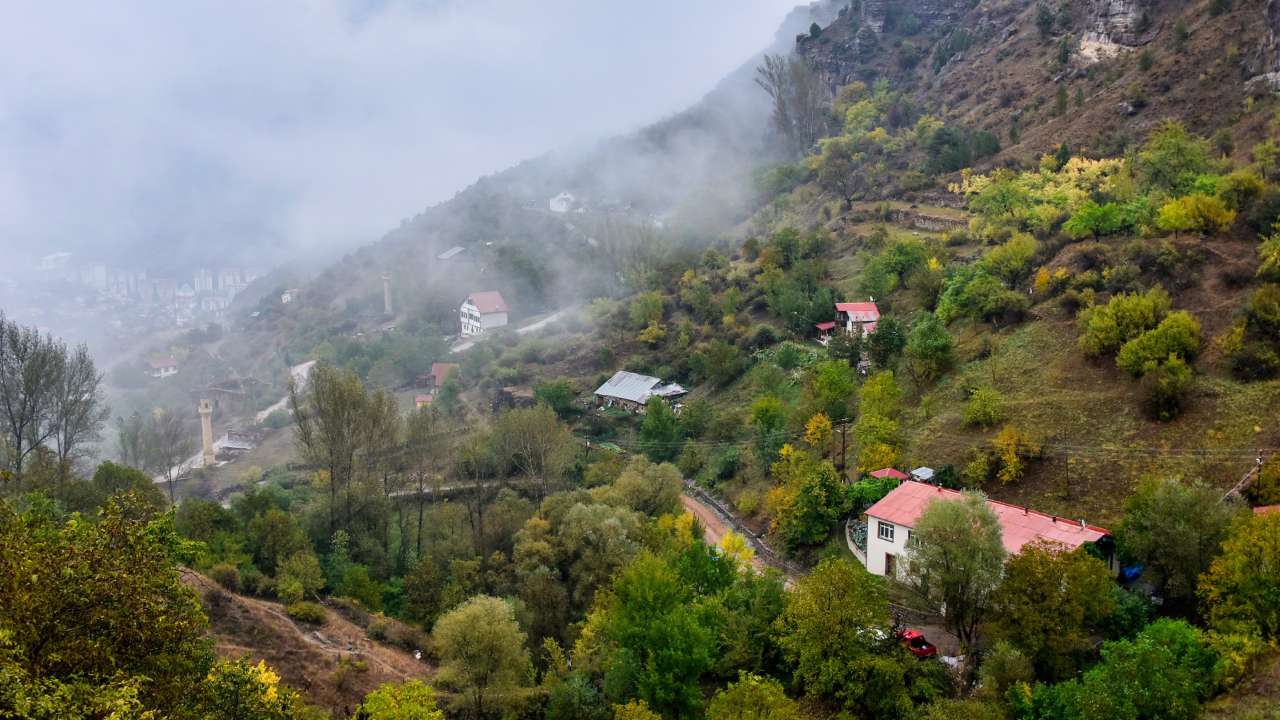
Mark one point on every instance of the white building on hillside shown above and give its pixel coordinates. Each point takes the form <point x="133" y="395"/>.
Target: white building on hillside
<point x="891" y="521"/>
<point x="482" y="311"/>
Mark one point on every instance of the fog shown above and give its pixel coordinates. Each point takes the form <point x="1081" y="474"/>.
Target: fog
<point x="203" y="132"/>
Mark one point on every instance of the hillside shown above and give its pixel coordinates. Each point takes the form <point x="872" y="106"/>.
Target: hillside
<point x="334" y="665"/>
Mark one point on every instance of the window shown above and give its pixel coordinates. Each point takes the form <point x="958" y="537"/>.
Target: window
<point x="886" y="531"/>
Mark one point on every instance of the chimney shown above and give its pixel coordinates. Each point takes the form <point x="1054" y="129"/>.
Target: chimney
<point x="1081" y="523"/>
<point x="386" y="293"/>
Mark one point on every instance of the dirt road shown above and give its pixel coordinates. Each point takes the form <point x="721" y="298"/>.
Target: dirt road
<point x="713" y="527"/>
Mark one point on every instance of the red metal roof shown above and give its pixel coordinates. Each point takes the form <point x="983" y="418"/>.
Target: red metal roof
<point x="826" y="325"/>
<point x="890" y="473"/>
<point x="440" y="372"/>
<point x="1266" y="509"/>
<point x="489" y="301"/>
<point x="905" y="503"/>
<point x="158" y="362"/>
<point x="860" y="311"/>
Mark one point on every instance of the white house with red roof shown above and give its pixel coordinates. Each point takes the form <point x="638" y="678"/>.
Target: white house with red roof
<point x="891" y="521"/>
<point x="851" y="317"/>
<point x="162" y="366"/>
<point x="482" y="311"/>
<point x="857" y="317"/>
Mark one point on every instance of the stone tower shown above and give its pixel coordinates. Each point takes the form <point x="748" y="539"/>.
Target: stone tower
<point x="206" y="431"/>
<point x="386" y="293"/>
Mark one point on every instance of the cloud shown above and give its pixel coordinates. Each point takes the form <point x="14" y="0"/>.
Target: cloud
<point x="206" y="130"/>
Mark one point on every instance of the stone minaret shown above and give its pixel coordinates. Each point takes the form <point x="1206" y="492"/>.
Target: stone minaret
<point x="386" y="293"/>
<point x="206" y="430"/>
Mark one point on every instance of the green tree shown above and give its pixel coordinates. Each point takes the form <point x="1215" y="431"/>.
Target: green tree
<point x="662" y="641"/>
<point x="1011" y="262"/>
<point x="835" y="632"/>
<point x="482" y="653"/>
<point x="1172" y="158"/>
<point x="1175" y="529"/>
<point x="880" y="395"/>
<point x="752" y="697"/>
<point x="1162" y="674"/>
<point x="660" y="430"/>
<point x="1178" y="334"/>
<point x="985" y="408"/>
<point x="769" y="419"/>
<point x="1241" y="590"/>
<point x="648" y="488"/>
<point x="558" y="395"/>
<point x="830" y="389"/>
<point x="1105" y="328"/>
<point x="298" y="576"/>
<point x="929" y="349"/>
<point x="645" y="309"/>
<point x="886" y="343"/>
<point x="408" y="700"/>
<point x="956" y="561"/>
<point x="809" y="499"/>
<point x="88" y="605"/>
<point x="1049" y="604"/>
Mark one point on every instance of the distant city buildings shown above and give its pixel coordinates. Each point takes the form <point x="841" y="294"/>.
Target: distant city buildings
<point x="132" y="298"/>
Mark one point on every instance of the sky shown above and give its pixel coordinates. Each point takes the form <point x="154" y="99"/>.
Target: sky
<point x="134" y="131"/>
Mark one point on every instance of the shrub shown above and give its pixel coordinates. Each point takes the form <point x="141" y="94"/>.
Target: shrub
<point x="1176" y="335"/>
<point x="1202" y="213"/>
<point x="1255" y="361"/>
<point x="1105" y="329"/>
<point x="307" y="612"/>
<point x="1167" y="385"/>
<point x="377" y="630"/>
<point x="985" y="408"/>
<point x="226" y="575"/>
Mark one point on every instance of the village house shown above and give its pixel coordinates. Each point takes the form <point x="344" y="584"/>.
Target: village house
<point x="883" y="473"/>
<point x="481" y="312"/>
<point x="631" y="391"/>
<point x="162" y="366"/>
<point x="890" y="523"/>
<point x="433" y="381"/>
<point x="851" y="318"/>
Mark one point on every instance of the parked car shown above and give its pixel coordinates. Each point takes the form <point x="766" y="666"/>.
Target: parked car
<point x="914" y="642"/>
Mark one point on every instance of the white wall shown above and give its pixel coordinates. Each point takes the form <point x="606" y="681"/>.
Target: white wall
<point x="493" y="320"/>
<point x="877" y="548"/>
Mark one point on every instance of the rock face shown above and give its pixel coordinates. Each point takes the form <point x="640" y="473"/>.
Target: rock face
<point x="1115" y="27"/>
<point x="856" y="36"/>
<point x="1119" y="21"/>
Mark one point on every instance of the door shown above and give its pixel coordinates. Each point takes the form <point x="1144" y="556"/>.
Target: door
<point x="890" y="565"/>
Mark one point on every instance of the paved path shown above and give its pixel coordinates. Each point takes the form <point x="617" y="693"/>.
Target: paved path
<point x="300" y="373"/>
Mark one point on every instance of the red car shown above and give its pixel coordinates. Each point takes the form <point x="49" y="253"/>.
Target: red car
<point x="914" y="642"/>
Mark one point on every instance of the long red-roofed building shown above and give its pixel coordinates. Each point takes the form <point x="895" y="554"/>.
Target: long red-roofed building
<point x="891" y="521"/>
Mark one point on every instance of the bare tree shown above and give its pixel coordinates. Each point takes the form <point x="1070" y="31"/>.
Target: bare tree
<point x="330" y="417"/>
<point x="131" y="441"/>
<point x="535" y="442"/>
<point x="799" y="100"/>
<point x="424" y="449"/>
<point x="168" y="442"/>
<point x="31" y="366"/>
<point x="78" y="410"/>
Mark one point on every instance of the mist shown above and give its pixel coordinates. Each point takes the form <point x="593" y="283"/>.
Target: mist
<point x="235" y="132"/>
